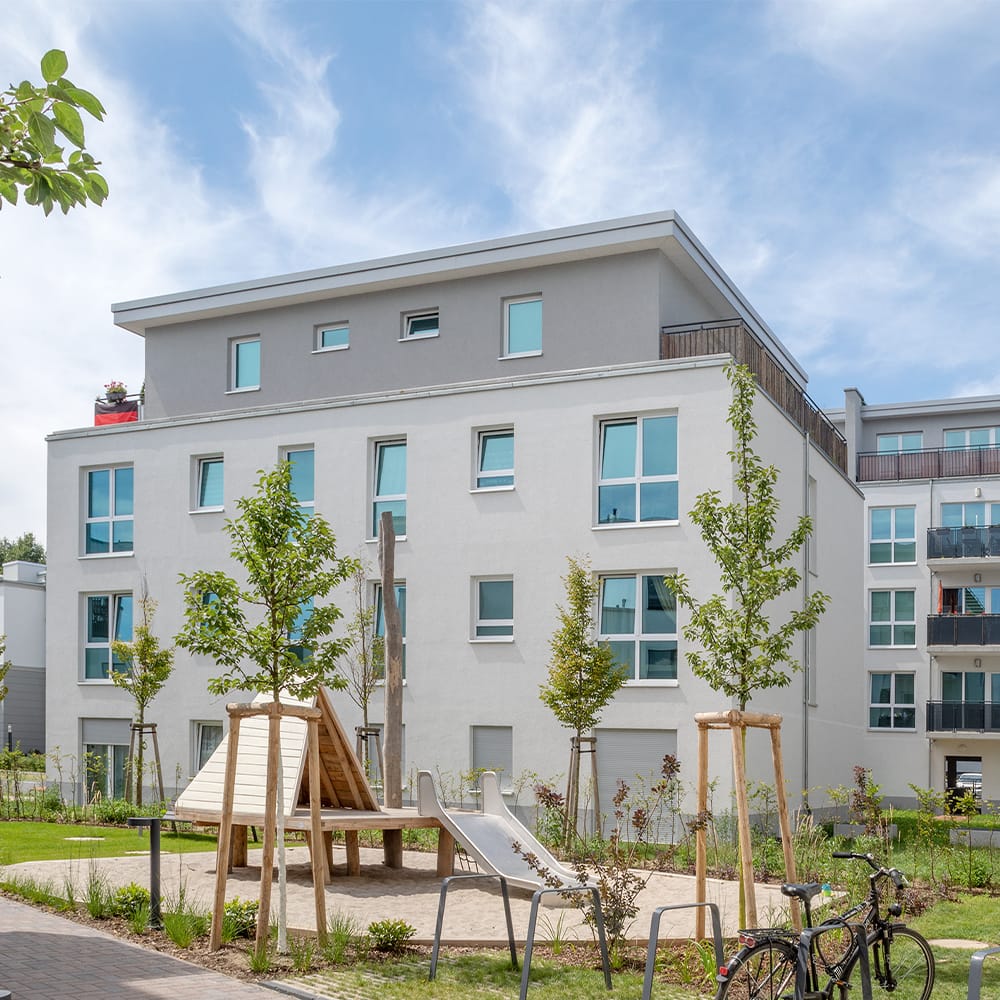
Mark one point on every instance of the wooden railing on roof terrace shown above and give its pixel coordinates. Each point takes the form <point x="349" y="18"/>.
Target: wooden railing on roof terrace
<point x="733" y="337"/>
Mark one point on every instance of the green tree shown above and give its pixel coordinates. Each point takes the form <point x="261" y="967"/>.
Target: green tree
<point x="583" y="676"/>
<point x="30" y="156"/>
<point x="149" y="666"/>
<point x="741" y="649"/>
<point x="267" y="633"/>
<point x="24" y="548"/>
<point x="4" y="666"/>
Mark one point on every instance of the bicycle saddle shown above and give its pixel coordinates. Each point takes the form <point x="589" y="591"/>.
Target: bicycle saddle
<point x="805" y="891"/>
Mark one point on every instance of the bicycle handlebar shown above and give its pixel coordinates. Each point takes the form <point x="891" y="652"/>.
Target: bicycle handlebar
<point x="898" y="878"/>
<point x="870" y="858"/>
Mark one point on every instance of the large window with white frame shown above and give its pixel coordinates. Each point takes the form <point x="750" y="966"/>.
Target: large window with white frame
<point x="522" y="326"/>
<point x="976" y="514"/>
<point x="109" y="523"/>
<point x="972" y="437"/>
<point x="493" y="612"/>
<point x="209" y="487"/>
<point x="389" y="487"/>
<point x="893" y="444"/>
<point x="892" y="535"/>
<point x="638" y="621"/>
<point x="495" y="459"/>
<point x="637" y="477"/>
<point x="891" y="700"/>
<point x="108" y="618"/>
<point x="244" y="364"/>
<point x="891" y="618"/>
<point x="400" y="589"/>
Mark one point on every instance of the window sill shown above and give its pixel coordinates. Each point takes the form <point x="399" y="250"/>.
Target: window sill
<point x="206" y="510"/>
<point x="876" y="565"/>
<point x="888" y="729"/>
<point x="419" y="336"/>
<point x="247" y="388"/>
<point x="374" y="541"/>
<point x="328" y="350"/>
<point x="492" y="489"/>
<point x="656" y="682"/>
<point x="491" y="639"/>
<point x="522" y="354"/>
<point x="914" y="646"/>
<point x="634" y="524"/>
<point x="107" y="555"/>
<point x="97" y="682"/>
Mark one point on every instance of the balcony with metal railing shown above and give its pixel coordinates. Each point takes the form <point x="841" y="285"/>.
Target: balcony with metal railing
<point x="928" y="463"/>
<point x="963" y="630"/>
<point x="968" y="542"/>
<point x="963" y="716"/>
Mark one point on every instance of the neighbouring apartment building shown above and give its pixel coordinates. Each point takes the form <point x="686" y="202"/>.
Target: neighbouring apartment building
<point x="22" y="621"/>
<point x="511" y="403"/>
<point x="930" y="472"/>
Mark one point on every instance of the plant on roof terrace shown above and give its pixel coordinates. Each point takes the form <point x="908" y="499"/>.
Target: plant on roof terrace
<point x="114" y="387"/>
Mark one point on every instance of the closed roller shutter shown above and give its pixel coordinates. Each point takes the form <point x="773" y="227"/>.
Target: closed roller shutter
<point x="628" y="755"/>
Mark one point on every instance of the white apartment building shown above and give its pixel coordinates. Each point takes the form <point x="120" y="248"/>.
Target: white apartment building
<point x="513" y="403"/>
<point x="930" y="472"/>
<point x="22" y="621"/>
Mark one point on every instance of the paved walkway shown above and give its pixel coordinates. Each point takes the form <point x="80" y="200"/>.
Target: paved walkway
<point x="46" y="957"/>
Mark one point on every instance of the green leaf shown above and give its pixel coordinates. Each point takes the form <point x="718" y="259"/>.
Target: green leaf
<point x="54" y="64"/>
<point x="43" y="132"/>
<point x="69" y="122"/>
<point x="25" y="91"/>
<point x="86" y="100"/>
<point x="9" y="193"/>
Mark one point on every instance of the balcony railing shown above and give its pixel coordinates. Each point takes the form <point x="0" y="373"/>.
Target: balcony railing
<point x="735" y="338"/>
<point x="963" y="543"/>
<point x="963" y="630"/>
<point x="929" y="463"/>
<point x="973" y="716"/>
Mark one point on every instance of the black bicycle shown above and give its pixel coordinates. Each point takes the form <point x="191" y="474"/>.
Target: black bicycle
<point x="900" y="959"/>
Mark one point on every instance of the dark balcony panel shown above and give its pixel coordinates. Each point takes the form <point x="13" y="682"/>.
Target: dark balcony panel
<point x="968" y="630"/>
<point x="967" y="716"/>
<point x="963" y="630"/>
<point x="928" y="463"/>
<point x="941" y="543"/>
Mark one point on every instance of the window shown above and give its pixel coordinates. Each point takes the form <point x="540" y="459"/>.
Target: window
<point x="210" y="481"/>
<point x="970" y="686"/>
<point x="638" y="471"/>
<point x="105" y="765"/>
<point x="390" y="485"/>
<point x="964" y="515"/>
<point x="644" y="644"/>
<point x="109" y="618"/>
<point x="493" y="750"/>
<point x="303" y="470"/>
<point x="972" y="437"/>
<point x="891" y="444"/>
<point x="380" y="616"/>
<point x="110" y="510"/>
<point x="207" y="736"/>
<point x="245" y="364"/>
<point x="495" y="459"/>
<point x="522" y="333"/>
<point x="892" y="535"/>
<point x="417" y="326"/>
<point x="301" y="652"/>
<point x="333" y="338"/>
<point x="891" y="703"/>
<point x="969" y="600"/>
<point x="494" y="609"/>
<point x="891" y="618"/>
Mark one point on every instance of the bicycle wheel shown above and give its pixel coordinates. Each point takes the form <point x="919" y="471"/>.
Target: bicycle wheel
<point x="902" y="966"/>
<point x="764" y="972"/>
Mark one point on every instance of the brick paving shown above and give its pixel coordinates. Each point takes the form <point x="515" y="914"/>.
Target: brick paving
<point x="47" y="957"/>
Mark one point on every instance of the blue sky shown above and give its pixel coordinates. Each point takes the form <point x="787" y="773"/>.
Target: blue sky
<point x="841" y="160"/>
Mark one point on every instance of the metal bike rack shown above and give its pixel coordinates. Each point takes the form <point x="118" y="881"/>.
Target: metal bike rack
<point x="445" y="885"/>
<point x="976" y="971"/>
<point x="804" y="959"/>
<point x="598" y="919"/>
<point x="654" y="933"/>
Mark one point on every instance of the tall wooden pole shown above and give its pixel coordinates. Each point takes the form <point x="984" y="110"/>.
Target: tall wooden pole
<point x="225" y="833"/>
<point x="743" y="823"/>
<point x="270" y="803"/>
<point x="701" y="832"/>
<point x="787" y="847"/>
<point x="316" y="831"/>
<point x="393" y="777"/>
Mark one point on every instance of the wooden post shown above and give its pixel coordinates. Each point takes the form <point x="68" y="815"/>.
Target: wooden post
<point x="743" y="824"/>
<point x="572" y="791"/>
<point x="701" y="832"/>
<point x="130" y="764"/>
<point x="225" y="829"/>
<point x="393" y="776"/>
<point x="787" y="847"/>
<point x="270" y="803"/>
<point x="318" y="852"/>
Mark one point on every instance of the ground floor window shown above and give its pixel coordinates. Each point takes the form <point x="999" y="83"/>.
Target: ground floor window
<point x="207" y="737"/>
<point x="891" y="701"/>
<point x="105" y="769"/>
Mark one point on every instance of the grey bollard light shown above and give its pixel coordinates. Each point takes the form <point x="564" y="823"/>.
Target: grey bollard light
<point x="153" y="822"/>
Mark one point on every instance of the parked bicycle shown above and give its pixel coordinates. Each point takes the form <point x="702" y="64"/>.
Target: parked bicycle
<point x="901" y="960"/>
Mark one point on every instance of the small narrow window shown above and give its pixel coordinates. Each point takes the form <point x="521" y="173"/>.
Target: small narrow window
<point x="522" y="326"/>
<point x="333" y="338"/>
<point x="207" y="737"/>
<point x="303" y="470"/>
<point x="246" y="364"/>
<point x="495" y="459"/>
<point x="210" y="477"/>
<point x="419" y="325"/>
<point x="389" y="493"/>
<point x="494" y="609"/>
<point x="400" y="589"/>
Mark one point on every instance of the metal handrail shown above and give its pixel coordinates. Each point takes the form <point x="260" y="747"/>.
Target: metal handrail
<point x="654" y="933"/>
<point x="976" y="971"/>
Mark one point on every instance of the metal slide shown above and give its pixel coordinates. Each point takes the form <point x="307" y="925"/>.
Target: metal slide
<point x="489" y="836"/>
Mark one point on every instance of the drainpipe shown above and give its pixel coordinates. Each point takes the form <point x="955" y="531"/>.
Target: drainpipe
<point x="805" y="636"/>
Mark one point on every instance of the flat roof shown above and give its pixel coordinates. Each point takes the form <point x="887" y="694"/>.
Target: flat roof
<point x="663" y="231"/>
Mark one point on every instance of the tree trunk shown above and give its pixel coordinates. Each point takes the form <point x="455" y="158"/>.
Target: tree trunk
<point x="139" y="763"/>
<point x="393" y="736"/>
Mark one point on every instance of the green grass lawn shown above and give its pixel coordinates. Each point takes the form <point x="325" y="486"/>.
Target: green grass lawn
<point x="53" y="841"/>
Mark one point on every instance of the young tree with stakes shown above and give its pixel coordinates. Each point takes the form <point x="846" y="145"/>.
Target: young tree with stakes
<point x="148" y="668"/>
<point x="269" y="633"/>
<point x="583" y="676"/>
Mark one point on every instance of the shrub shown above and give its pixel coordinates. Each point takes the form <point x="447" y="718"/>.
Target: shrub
<point x="129" y="899"/>
<point x="239" y="918"/>
<point x="390" y="935"/>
